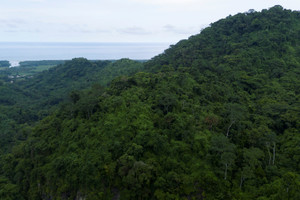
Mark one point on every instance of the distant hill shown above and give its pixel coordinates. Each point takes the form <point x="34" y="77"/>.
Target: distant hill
<point x="213" y="117"/>
<point x="4" y="63"/>
<point x="26" y="101"/>
<point x="41" y="62"/>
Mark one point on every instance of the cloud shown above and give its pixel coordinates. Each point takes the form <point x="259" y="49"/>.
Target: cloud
<point x="134" y="31"/>
<point x="22" y="31"/>
<point x="11" y="21"/>
<point x="45" y="26"/>
<point x="36" y="1"/>
<point x="76" y="28"/>
<point x="167" y="2"/>
<point x="180" y="30"/>
<point x="12" y="25"/>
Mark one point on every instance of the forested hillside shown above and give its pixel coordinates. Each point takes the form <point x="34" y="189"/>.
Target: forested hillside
<point x="213" y="117"/>
<point x="4" y="63"/>
<point x="26" y="100"/>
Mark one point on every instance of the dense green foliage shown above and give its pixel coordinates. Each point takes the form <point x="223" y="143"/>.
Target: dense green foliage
<point x="4" y="63"/>
<point x="41" y="62"/>
<point x="25" y="69"/>
<point x="213" y="117"/>
<point x="25" y="101"/>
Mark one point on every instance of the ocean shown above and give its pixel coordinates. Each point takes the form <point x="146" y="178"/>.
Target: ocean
<point x="24" y="51"/>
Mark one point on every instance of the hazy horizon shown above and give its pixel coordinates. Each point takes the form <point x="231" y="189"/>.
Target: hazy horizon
<point x="24" y="51"/>
<point x="118" y="20"/>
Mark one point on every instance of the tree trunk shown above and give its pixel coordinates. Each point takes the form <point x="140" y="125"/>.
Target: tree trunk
<point x="270" y="158"/>
<point x="232" y="122"/>
<point x="274" y="152"/>
<point x="225" y="173"/>
<point x="242" y="180"/>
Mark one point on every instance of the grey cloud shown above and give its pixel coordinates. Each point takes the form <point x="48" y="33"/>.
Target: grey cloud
<point x="134" y="31"/>
<point x="13" y="23"/>
<point x="36" y="1"/>
<point x="10" y="30"/>
<point x="76" y="28"/>
<point x="21" y="30"/>
<point x="180" y="30"/>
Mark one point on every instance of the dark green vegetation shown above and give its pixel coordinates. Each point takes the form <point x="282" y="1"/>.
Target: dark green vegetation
<point x="25" y="101"/>
<point x="214" y="117"/>
<point x="41" y="63"/>
<point x="29" y="68"/>
<point x="4" y="63"/>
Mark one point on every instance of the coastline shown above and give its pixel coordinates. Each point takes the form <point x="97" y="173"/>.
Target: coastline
<point x="23" y="51"/>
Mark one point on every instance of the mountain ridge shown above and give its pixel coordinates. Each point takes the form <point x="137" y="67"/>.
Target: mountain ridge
<point x="213" y="117"/>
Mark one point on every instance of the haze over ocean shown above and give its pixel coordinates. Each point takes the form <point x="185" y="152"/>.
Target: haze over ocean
<point x="22" y="51"/>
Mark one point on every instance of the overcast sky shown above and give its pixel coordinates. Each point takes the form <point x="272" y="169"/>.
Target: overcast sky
<point x="117" y="20"/>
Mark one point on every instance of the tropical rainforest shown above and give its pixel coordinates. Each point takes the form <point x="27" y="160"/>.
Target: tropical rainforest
<point x="214" y="117"/>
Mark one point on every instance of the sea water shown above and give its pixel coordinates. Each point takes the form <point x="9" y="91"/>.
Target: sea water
<point x="24" y="51"/>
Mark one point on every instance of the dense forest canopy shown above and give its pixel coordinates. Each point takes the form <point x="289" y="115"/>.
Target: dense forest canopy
<point x="213" y="117"/>
<point x="40" y="62"/>
<point x="4" y="63"/>
<point x="25" y="100"/>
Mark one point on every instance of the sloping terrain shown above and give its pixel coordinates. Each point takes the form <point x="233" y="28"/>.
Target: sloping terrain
<point x="24" y="102"/>
<point x="213" y="117"/>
